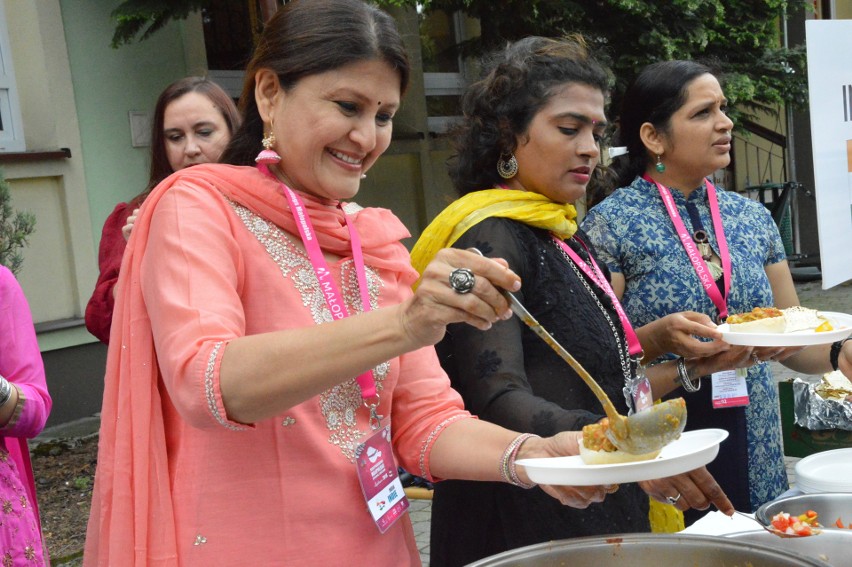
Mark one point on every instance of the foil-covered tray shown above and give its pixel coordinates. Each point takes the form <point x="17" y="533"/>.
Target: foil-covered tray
<point x="813" y="411"/>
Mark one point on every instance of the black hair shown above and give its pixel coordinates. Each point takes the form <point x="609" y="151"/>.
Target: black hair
<point x="517" y="83"/>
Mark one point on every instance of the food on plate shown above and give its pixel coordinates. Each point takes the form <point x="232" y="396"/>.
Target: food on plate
<point x="839" y="524"/>
<point x="773" y="320"/>
<point x="834" y="386"/>
<point x="596" y="449"/>
<point x="802" y="525"/>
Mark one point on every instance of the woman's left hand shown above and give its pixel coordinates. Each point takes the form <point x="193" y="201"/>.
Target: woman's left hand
<point x="563" y="444"/>
<point x="694" y="489"/>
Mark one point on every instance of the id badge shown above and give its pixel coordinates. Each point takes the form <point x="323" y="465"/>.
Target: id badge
<point x="729" y="389"/>
<point x="379" y="480"/>
<point x="642" y="398"/>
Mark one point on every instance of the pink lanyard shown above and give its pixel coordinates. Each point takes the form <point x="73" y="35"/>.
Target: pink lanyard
<point x="329" y="288"/>
<point x="595" y="274"/>
<point x="707" y="281"/>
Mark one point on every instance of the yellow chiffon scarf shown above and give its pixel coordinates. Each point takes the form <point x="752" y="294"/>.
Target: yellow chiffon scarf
<point x="526" y="207"/>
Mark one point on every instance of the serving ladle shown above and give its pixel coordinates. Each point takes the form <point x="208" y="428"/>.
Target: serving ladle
<point x="775" y="531"/>
<point x="643" y="432"/>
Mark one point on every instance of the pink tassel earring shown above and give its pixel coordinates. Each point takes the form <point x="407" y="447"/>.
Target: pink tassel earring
<point x="268" y="156"/>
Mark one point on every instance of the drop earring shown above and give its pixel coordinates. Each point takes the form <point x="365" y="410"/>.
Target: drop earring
<point x="268" y="156"/>
<point x="660" y="166"/>
<point x="507" y="168"/>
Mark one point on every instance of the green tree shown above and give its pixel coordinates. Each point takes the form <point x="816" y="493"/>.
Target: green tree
<point x="140" y="19"/>
<point x="15" y="228"/>
<point x="741" y="37"/>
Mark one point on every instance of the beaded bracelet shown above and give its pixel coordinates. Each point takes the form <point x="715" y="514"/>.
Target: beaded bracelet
<point x="507" y="462"/>
<point x="685" y="380"/>
<point x="5" y="391"/>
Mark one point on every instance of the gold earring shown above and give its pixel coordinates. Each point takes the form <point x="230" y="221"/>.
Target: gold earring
<point x="268" y="156"/>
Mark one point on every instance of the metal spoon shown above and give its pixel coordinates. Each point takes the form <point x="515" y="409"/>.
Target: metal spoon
<point x="643" y="432"/>
<point x="773" y="530"/>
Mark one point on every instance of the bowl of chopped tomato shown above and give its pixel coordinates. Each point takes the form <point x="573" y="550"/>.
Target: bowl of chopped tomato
<point x="830" y="510"/>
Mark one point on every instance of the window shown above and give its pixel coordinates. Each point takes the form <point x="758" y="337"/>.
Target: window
<point x="11" y="126"/>
<point x="443" y="70"/>
<point x="230" y="32"/>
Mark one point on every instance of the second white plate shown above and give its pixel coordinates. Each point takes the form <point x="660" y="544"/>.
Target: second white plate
<point x="692" y="450"/>
<point x="841" y="322"/>
<point x="828" y="471"/>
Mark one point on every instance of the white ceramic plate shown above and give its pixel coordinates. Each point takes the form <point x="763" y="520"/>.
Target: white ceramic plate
<point x="841" y="322"/>
<point x="828" y="471"/>
<point x="692" y="450"/>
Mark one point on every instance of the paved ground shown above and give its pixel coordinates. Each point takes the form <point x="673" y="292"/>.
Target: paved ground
<point x="811" y="294"/>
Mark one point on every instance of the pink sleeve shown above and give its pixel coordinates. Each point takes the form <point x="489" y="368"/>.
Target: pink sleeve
<point x="190" y="280"/>
<point x="110" y="252"/>
<point x="424" y="402"/>
<point x="20" y="359"/>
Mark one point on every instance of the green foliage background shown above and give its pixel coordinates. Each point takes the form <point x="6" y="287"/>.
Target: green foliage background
<point x="740" y="37"/>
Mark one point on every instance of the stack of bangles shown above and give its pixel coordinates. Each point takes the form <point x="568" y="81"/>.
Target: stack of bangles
<point x="5" y="391"/>
<point x="507" y="463"/>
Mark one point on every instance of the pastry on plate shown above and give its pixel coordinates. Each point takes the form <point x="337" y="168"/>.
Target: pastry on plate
<point x="773" y="320"/>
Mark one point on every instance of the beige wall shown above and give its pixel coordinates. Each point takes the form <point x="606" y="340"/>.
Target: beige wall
<point x="60" y="267"/>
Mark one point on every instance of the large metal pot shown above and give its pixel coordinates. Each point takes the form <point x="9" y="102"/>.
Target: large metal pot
<point x="649" y="550"/>
<point x="832" y="546"/>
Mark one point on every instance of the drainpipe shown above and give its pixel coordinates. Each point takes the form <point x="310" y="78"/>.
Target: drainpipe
<point x="791" y="147"/>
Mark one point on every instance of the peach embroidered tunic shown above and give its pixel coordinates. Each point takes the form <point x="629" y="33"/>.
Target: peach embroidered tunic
<point x="213" y="256"/>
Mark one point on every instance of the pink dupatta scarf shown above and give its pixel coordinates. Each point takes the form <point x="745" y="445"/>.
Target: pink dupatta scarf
<point x="132" y="520"/>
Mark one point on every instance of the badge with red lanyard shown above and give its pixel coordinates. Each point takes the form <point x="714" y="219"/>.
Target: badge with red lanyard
<point x="638" y="388"/>
<point x="374" y="461"/>
<point x="729" y="386"/>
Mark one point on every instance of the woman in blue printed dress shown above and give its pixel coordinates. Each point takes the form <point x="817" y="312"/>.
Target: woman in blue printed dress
<point x="676" y="132"/>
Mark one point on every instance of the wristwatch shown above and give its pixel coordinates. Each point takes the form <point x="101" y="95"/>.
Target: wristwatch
<point x="834" y="353"/>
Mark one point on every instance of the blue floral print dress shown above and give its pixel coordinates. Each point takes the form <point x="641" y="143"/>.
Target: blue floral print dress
<point x="633" y="234"/>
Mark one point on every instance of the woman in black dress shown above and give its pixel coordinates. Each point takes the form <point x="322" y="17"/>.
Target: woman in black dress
<point x="538" y="115"/>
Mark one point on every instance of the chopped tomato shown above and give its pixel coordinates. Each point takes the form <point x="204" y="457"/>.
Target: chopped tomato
<point x="839" y="523"/>
<point x="801" y="525"/>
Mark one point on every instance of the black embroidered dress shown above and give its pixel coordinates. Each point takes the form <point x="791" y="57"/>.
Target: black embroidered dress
<point x="509" y="376"/>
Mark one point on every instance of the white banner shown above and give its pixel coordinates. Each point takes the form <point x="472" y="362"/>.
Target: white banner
<point x="829" y="43"/>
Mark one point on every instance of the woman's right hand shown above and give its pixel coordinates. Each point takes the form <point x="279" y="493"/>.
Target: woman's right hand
<point x="435" y="304"/>
<point x="734" y="357"/>
<point x="678" y="333"/>
<point x="128" y="226"/>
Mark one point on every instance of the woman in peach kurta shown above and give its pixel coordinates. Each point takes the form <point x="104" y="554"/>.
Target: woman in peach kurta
<point x="230" y="404"/>
<point x="220" y="262"/>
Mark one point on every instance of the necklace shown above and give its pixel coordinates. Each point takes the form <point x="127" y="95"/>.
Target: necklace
<point x="621" y="345"/>
<point x="702" y="241"/>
